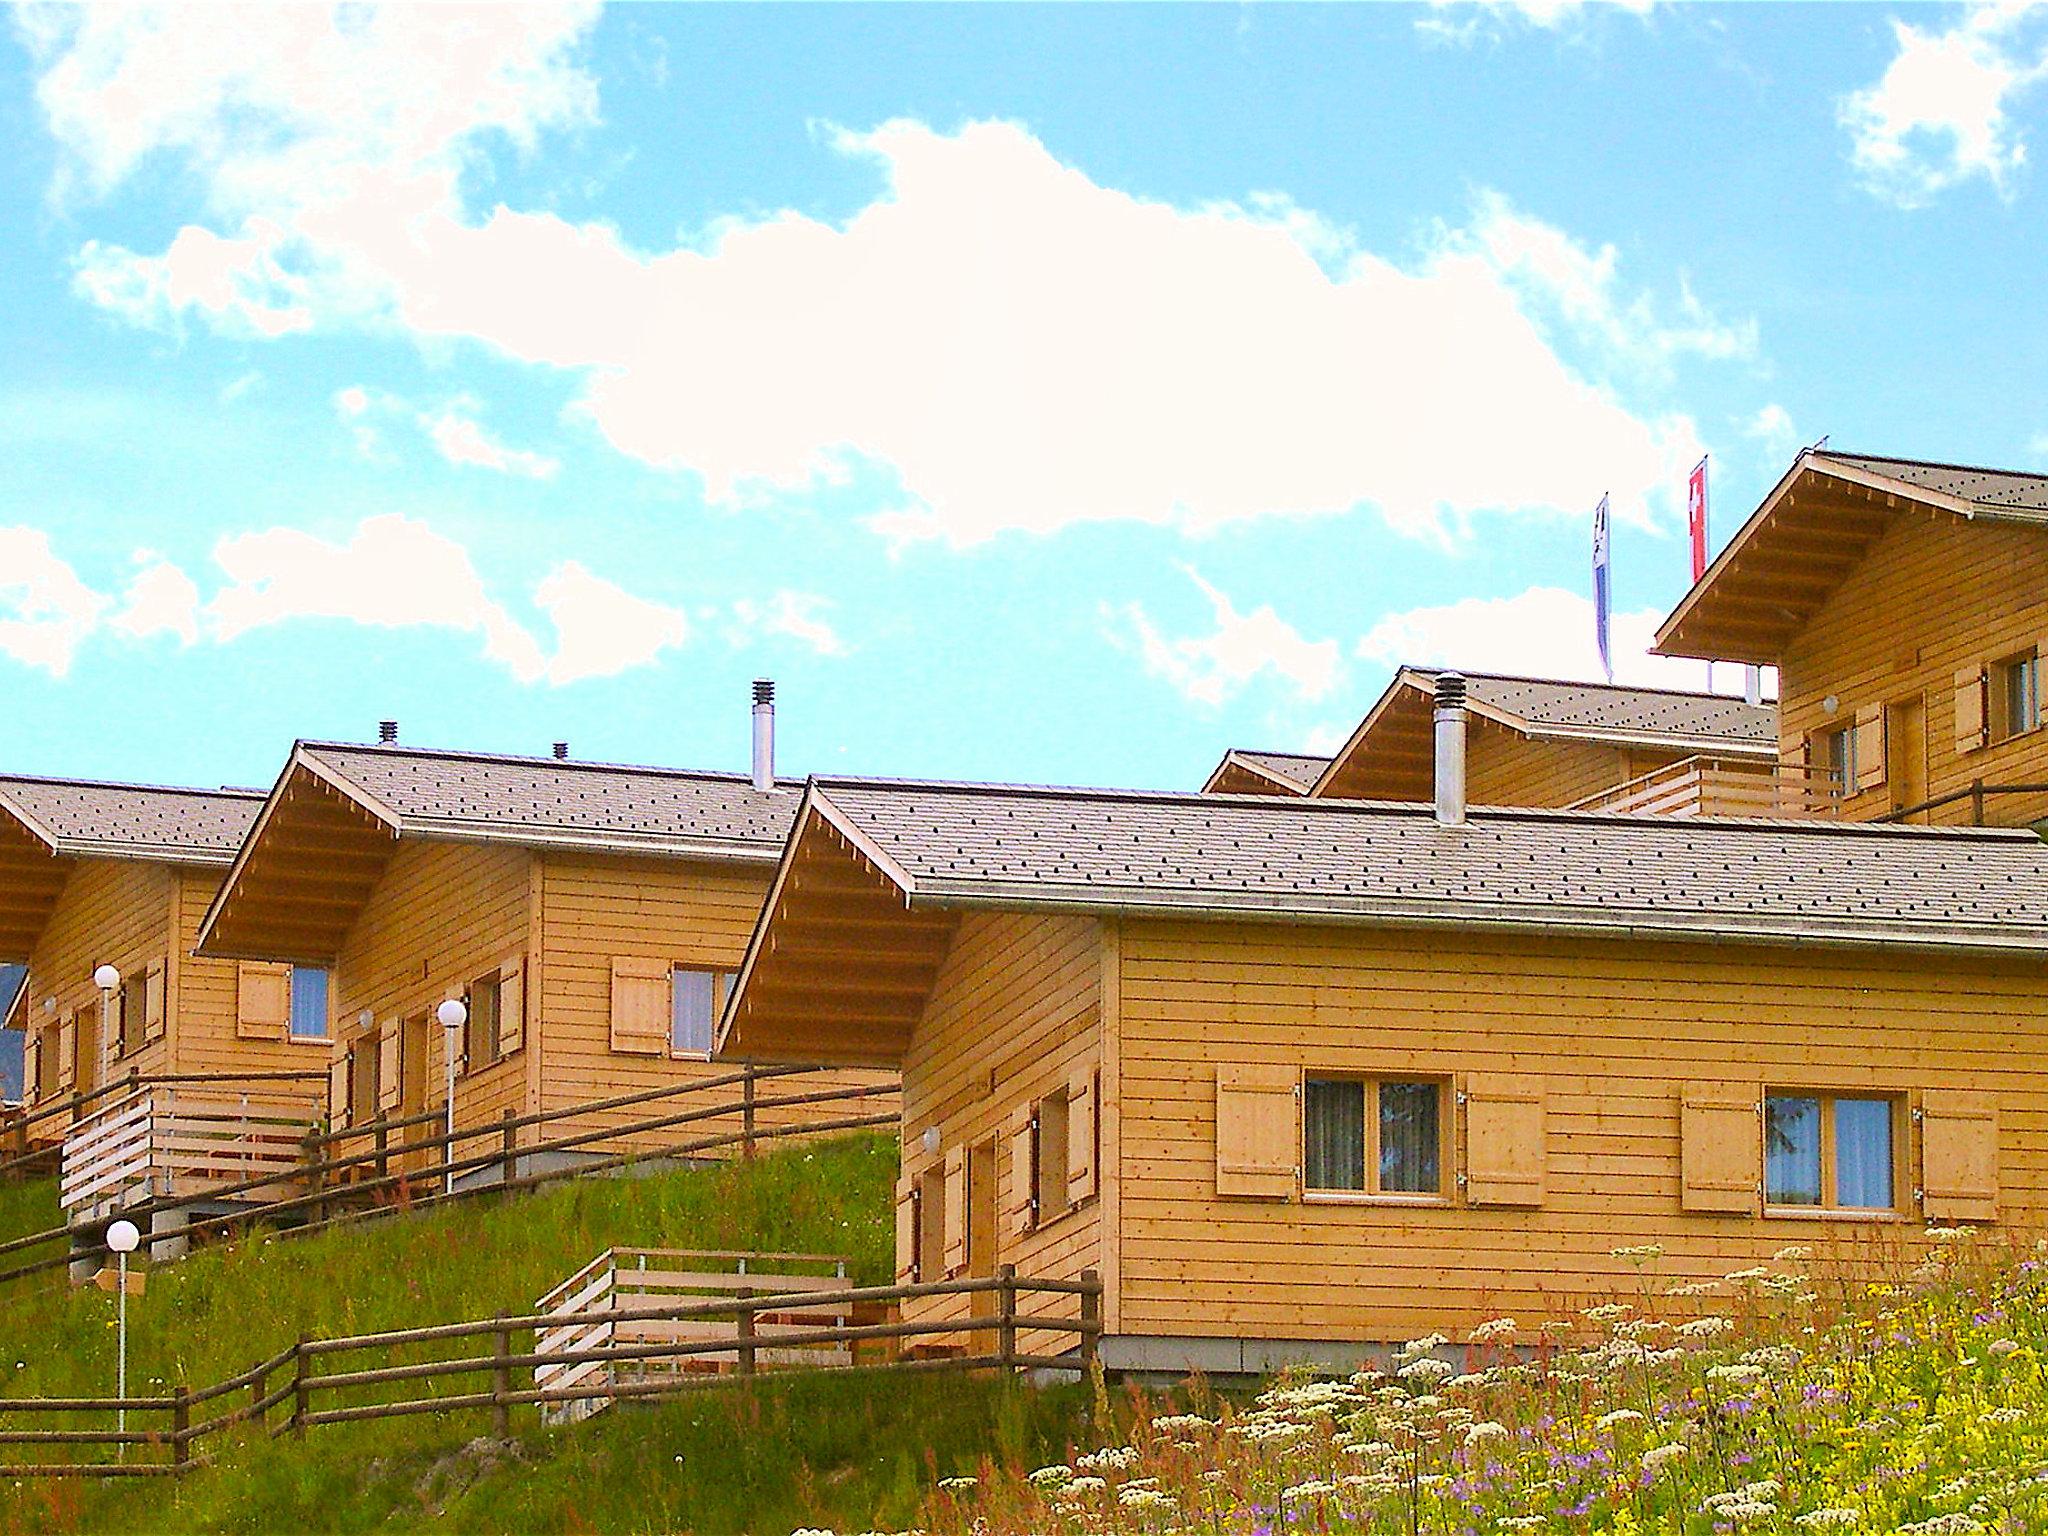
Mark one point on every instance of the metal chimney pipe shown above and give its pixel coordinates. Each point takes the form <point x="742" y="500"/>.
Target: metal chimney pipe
<point x="561" y="751"/>
<point x="1450" y="749"/>
<point x="1753" y="685"/>
<point x="387" y="733"/>
<point x="764" y="734"/>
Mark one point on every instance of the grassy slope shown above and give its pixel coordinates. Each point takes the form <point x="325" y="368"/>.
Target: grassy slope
<point x="846" y="1452"/>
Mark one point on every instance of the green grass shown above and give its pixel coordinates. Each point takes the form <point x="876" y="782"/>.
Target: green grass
<point x="26" y="1207"/>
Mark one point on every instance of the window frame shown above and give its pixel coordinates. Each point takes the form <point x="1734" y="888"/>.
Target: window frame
<point x="1831" y="752"/>
<point x="2025" y="668"/>
<point x="722" y="983"/>
<point x="1051" y="1198"/>
<point x="128" y="1009"/>
<point x="473" y="1058"/>
<point x="1372" y="1193"/>
<point x="291" y="1020"/>
<point x="1829" y="1207"/>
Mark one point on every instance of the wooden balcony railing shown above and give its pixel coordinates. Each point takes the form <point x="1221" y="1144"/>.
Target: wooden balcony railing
<point x="165" y="1143"/>
<point x="1721" y="786"/>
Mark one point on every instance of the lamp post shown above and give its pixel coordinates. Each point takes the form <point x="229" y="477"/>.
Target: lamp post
<point x="108" y="980"/>
<point x="453" y="1014"/>
<point x="122" y="1237"/>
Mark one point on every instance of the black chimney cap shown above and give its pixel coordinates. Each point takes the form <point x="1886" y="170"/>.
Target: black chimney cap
<point x="562" y="749"/>
<point x="764" y="690"/>
<point x="387" y="732"/>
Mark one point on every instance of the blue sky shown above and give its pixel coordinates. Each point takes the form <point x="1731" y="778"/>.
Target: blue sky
<point x="1057" y="394"/>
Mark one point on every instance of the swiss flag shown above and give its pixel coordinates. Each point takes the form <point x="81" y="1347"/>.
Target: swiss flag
<point x="1696" y="517"/>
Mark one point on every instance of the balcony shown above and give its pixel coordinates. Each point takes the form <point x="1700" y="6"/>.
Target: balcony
<point x="166" y="1143"/>
<point x="1722" y="786"/>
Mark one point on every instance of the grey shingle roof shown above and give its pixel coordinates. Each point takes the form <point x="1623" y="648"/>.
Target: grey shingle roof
<point x="1391" y="862"/>
<point x="548" y="801"/>
<point x="82" y="818"/>
<point x="2002" y="490"/>
<point x="1299" y="770"/>
<point x="1550" y="706"/>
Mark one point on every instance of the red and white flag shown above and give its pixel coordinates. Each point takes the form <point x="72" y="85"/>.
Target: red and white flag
<point x="1696" y="517"/>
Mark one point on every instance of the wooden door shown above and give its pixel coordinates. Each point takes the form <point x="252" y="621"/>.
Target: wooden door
<point x="1905" y="737"/>
<point x="981" y="1221"/>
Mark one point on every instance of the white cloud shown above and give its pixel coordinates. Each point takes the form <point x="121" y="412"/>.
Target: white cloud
<point x="799" y="616"/>
<point x="393" y="572"/>
<point x="1542" y="632"/>
<point x="1462" y="21"/>
<point x="1939" y="114"/>
<point x="1016" y="345"/>
<point x="1213" y="668"/>
<point x="1772" y="427"/>
<point x="600" y="628"/>
<point x="161" y="600"/>
<point x="452" y="428"/>
<point x="45" y="609"/>
<point x="461" y="439"/>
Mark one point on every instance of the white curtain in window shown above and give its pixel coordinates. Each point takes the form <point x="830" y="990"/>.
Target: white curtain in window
<point x="1333" y="1123"/>
<point x="1863" y="1153"/>
<point x="1791" y="1151"/>
<point x="1409" y="1140"/>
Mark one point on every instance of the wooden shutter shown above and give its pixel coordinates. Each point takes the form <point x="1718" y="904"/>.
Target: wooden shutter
<point x="906" y="1230"/>
<point x="640" y="1006"/>
<point x="390" y="1068"/>
<point x="67" y="1050"/>
<point x="31" y="1064"/>
<point x="1959" y="1156"/>
<point x="337" y="1089"/>
<point x="1082" y="1135"/>
<point x="153" y="1001"/>
<point x="263" y="1000"/>
<point x="1970" y="722"/>
<point x="1256" y="1140"/>
<point x="1721" y="1147"/>
<point x="955" y="1229"/>
<point x="1870" y="747"/>
<point x="1505" y="1155"/>
<point x="511" y="1005"/>
<point x="1020" y="1209"/>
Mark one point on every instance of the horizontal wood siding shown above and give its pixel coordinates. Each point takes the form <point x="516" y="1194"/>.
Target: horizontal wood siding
<point x="595" y="910"/>
<point x="1608" y="1032"/>
<point x="1503" y="767"/>
<point x="1933" y="597"/>
<point x="201" y="1028"/>
<point x="111" y="912"/>
<point x="1017" y="1007"/>
<point x="442" y="915"/>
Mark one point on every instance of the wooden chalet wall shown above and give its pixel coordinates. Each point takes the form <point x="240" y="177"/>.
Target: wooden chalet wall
<point x="1610" y="1034"/>
<point x="592" y="911"/>
<point x="1016" y="1016"/>
<point x="205" y="1032"/>
<point x="110" y="912"/>
<point x="1503" y="767"/>
<point x="1934" y="597"/>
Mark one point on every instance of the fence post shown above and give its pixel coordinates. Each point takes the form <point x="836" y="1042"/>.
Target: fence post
<point x="77" y="1107"/>
<point x="301" y="1394"/>
<point x="1976" y="802"/>
<point x="1091" y="1314"/>
<point x="181" y="1426"/>
<point x="1006" y="1316"/>
<point x="501" y="1381"/>
<point x="383" y="1141"/>
<point x="314" y="1174"/>
<point x="747" y="1326"/>
<point x="747" y="1112"/>
<point x="509" y="1141"/>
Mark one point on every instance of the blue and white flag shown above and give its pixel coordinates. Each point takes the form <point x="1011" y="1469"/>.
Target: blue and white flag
<point x="1600" y="591"/>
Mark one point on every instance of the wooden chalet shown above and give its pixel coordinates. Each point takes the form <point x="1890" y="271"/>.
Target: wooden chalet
<point x="120" y="875"/>
<point x="591" y="917"/>
<point x="1905" y="606"/>
<point x="1301" y="1077"/>
<point x="1245" y="772"/>
<point x="1546" y="742"/>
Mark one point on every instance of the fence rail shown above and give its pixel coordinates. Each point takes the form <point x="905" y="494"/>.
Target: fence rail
<point x="1720" y="786"/>
<point x="372" y="1189"/>
<point x="169" y="1143"/>
<point x="16" y="1122"/>
<point x="742" y="1336"/>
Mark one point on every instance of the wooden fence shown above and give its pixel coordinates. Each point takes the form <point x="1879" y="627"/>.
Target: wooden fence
<point x="301" y="1384"/>
<point x="603" y="1304"/>
<point x="1716" y="786"/>
<point x="34" y="1134"/>
<point x="168" y="1143"/>
<point x="333" y="1186"/>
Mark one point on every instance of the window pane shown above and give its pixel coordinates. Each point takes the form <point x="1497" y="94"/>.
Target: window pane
<point x="309" y="1001"/>
<point x="1791" y="1151"/>
<point x="1863" y="1153"/>
<point x="483" y="1022"/>
<point x="1333" y="1121"/>
<point x="1408" y="1138"/>
<point x="692" y="1009"/>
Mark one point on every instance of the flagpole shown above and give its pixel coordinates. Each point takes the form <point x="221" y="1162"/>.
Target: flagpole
<point x="1602" y="596"/>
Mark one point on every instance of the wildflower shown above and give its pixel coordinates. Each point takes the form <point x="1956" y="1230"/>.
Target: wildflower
<point x="1080" y="1488"/>
<point x="1828" y="1519"/>
<point x="1640" y="1254"/>
<point x="958" y="1484"/>
<point x="1494" y="1330"/>
<point x="1705" y="1328"/>
<point x="1941" y="1525"/>
<point x="2002" y="1347"/>
<point x="1427" y="1372"/>
<point x="1658" y="1456"/>
<point x="1610" y="1312"/>
<point x="1609" y="1422"/>
<point x="1479" y="1434"/>
<point x="1051" y="1477"/>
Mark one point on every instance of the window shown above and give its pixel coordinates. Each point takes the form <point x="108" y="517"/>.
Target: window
<point x="481" y="1033"/>
<point x="1833" y="754"/>
<point x="695" y="998"/>
<point x="2015" y="695"/>
<point x="1829" y="1153"/>
<point x="309" y="1003"/>
<point x="1382" y="1137"/>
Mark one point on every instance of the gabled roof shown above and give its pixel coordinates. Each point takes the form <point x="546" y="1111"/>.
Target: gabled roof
<point x="47" y="825"/>
<point x="1265" y="773"/>
<point x="874" y="871"/>
<point x="1396" y="731"/>
<point x="1815" y="527"/>
<point x="338" y="810"/>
